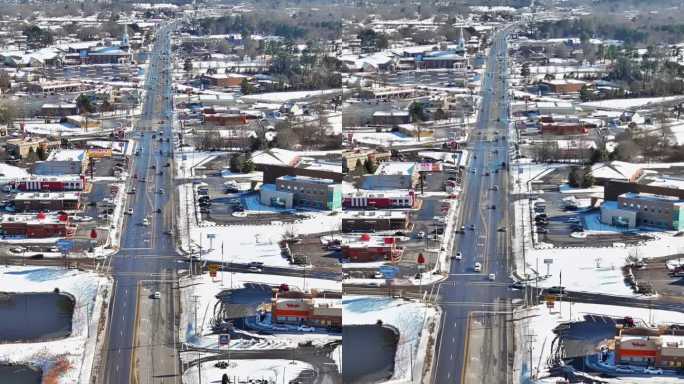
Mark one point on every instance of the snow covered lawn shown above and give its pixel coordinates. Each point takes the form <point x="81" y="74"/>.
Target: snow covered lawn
<point x="79" y="348"/>
<point x="276" y="371"/>
<point x="409" y="317"/>
<point x="541" y="321"/>
<point x="206" y="289"/>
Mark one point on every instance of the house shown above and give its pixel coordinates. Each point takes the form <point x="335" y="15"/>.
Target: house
<point x="616" y="170"/>
<point x="563" y="86"/>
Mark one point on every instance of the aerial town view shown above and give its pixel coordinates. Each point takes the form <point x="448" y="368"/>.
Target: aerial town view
<point x="327" y="192"/>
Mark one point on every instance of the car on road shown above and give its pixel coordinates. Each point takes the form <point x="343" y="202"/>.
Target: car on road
<point x="161" y="191"/>
<point x="472" y="170"/>
<point x="477" y="267"/>
<point x="420" y="235"/>
<point x="130" y="211"/>
<point x="653" y="371"/>
<point x="304" y="328"/>
<point x="156" y="295"/>
<point x="501" y="229"/>
<point x="491" y="277"/>
<point x="458" y="256"/>
<point x="131" y="191"/>
<point x="493" y="206"/>
<point x="17" y="249"/>
<point x="145" y="222"/>
<point x="472" y="227"/>
<point x="556" y="290"/>
<point x="378" y="275"/>
<point x="495" y="188"/>
<point x="623" y="369"/>
<point x="37" y="256"/>
<point x="572" y="220"/>
<point x="255" y="269"/>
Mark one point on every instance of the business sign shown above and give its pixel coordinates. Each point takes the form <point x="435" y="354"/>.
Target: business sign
<point x="548" y="261"/>
<point x="224" y="339"/>
<point x="429" y="167"/>
<point x="213" y="268"/>
<point x="99" y="153"/>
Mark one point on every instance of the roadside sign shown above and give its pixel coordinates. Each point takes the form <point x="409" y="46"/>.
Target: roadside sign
<point x="213" y="268"/>
<point x="550" y="299"/>
<point x="548" y="261"/>
<point x="224" y="339"/>
<point x="211" y="236"/>
<point x="65" y="245"/>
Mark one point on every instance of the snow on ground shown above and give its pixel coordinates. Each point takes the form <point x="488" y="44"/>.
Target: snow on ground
<point x="79" y="348"/>
<point x="529" y="172"/>
<point x="187" y="159"/>
<point x="388" y="139"/>
<point x="336" y="355"/>
<point x="541" y="321"/>
<point x="205" y="289"/>
<point x="628" y="103"/>
<point x="10" y="172"/>
<point x="283" y="97"/>
<point x="585" y="269"/>
<point x="275" y="371"/>
<point x="247" y="243"/>
<point x="409" y="317"/>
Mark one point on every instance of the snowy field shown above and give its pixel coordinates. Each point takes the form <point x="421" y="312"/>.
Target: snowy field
<point x="206" y="289"/>
<point x="275" y="371"/>
<point x="10" y="172"/>
<point x="628" y="103"/>
<point x="76" y="351"/>
<point x="388" y="139"/>
<point x="188" y="158"/>
<point x="541" y="321"/>
<point x="409" y="317"/>
<point x="283" y="97"/>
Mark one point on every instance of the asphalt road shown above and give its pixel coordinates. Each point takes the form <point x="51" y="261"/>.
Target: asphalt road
<point x="145" y="250"/>
<point x="466" y="293"/>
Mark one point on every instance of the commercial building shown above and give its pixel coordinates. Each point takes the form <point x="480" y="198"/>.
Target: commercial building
<point x="351" y="159"/>
<point x="370" y="249"/>
<point x="36" y="226"/>
<point x="663" y="187"/>
<point x="312" y="311"/>
<point x="380" y="200"/>
<point x="22" y="147"/>
<point x="643" y="209"/>
<point x="49" y="184"/>
<point x="649" y="348"/>
<point x="310" y="192"/>
<point x="372" y="221"/>
<point x="391" y="175"/>
<point x="63" y="162"/>
<point x="390" y="118"/>
<point x="50" y="201"/>
<point x="563" y="86"/>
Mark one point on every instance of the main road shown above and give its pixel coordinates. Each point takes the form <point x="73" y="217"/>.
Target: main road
<point x="146" y="251"/>
<point x="468" y="298"/>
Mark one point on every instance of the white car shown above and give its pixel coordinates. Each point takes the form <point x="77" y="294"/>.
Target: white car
<point x="130" y="211"/>
<point x="572" y="220"/>
<point x="156" y="295"/>
<point x="304" y="328"/>
<point x="378" y="275"/>
<point x="459" y="256"/>
<point x="420" y="235"/>
<point x="491" y="277"/>
<point x="653" y="371"/>
<point x="145" y="222"/>
<point x="477" y="267"/>
<point x="255" y="269"/>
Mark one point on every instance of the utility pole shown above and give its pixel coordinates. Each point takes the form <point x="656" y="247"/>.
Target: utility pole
<point x="195" y="299"/>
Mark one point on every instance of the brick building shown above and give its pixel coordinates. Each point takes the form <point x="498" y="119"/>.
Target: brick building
<point x="36" y="226"/>
<point x="46" y="201"/>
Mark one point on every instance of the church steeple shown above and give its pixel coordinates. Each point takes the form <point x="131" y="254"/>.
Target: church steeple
<point x="124" y="39"/>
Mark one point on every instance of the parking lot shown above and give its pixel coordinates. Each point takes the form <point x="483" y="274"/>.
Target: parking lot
<point x="656" y="274"/>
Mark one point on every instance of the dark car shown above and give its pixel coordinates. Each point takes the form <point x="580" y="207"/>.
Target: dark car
<point x="37" y="256"/>
<point x="556" y="290"/>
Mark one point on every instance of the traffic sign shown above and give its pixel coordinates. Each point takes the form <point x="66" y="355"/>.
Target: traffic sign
<point x="224" y="339"/>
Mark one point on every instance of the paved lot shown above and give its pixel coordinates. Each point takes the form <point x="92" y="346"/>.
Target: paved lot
<point x="657" y="275"/>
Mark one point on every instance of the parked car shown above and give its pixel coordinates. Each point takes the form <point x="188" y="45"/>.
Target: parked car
<point x="556" y="290"/>
<point x="255" y="269"/>
<point x="653" y="371"/>
<point x="623" y="369"/>
<point x="17" y="249"/>
<point x="420" y="235"/>
<point x="304" y="328"/>
<point x="378" y="275"/>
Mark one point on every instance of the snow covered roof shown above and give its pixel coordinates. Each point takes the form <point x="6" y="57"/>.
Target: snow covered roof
<point x="395" y="168"/>
<point x="276" y="156"/>
<point x="615" y="170"/>
<point x="67" y="155"/>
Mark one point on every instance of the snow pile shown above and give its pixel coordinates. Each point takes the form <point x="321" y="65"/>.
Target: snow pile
<point x="275" y="371"/>
<point x="78" y="349"/>
<point x="540" y="322"/>
<point x="409" y="317"/>
<point x="204" y="290"/>
<point x="10" y="172"/>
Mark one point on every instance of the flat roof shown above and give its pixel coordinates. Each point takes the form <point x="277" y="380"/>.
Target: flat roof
<point x="307" y="179"/>
<point x="374" y="215"/>
<point x="47" y="196"/>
